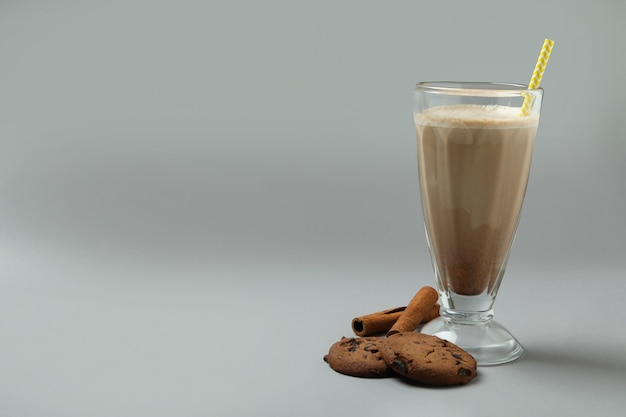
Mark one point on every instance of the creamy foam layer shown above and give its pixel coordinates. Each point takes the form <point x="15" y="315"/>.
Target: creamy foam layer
<point x="472" y="115"/>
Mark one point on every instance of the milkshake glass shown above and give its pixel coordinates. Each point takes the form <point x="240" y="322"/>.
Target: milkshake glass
<point x="474" y="154"/>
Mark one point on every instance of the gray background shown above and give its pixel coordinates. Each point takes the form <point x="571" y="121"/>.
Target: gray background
<point x="197" y="197"/>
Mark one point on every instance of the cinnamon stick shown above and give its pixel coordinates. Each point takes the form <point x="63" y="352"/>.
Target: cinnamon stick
<point x="375" y="323"/>
<point x="382" y="321"/>
<point x="416" y="311"/>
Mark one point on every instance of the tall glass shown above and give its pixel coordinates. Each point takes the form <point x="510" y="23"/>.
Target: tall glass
<point x="474" y="154"/>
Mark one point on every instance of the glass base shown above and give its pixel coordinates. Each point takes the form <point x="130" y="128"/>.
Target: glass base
<point x="489" y="343"/>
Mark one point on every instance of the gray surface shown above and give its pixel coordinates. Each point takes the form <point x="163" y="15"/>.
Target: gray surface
<point x="196" y="198"/>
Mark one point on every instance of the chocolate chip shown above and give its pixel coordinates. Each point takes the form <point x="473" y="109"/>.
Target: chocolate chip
<point x="465" y="372"/>
<point x="456" y="355"/>
<point x="399" y="366"/>
<point x="370" y="348"/>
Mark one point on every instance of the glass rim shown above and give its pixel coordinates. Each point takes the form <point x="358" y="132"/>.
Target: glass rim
<point x="476" y="88"/>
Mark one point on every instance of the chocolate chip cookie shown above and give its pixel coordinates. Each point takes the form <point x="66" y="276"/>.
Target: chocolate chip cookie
<point x="428" y="359"/>
<point x="358" y="356"/>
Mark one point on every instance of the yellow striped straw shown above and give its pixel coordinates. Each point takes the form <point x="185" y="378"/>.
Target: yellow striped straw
<point x="535" y="80"/>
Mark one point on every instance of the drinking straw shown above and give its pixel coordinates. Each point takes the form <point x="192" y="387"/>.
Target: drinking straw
<point x="535" y="80"/>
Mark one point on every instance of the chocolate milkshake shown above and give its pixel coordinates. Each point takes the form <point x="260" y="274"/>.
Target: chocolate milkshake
<point x="474" y="162"/>
<point x="474" y="143"/>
